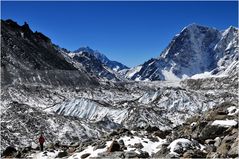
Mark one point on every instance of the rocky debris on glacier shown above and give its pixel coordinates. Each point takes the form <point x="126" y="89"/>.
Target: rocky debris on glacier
<point x="144" y="109"/>
<point x="214" y="134"/>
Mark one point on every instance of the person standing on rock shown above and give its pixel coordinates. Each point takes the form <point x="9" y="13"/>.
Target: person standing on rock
<point x="41" y="141"/>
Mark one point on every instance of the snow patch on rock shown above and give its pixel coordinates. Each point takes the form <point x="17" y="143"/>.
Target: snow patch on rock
<point x="225" y="123"/>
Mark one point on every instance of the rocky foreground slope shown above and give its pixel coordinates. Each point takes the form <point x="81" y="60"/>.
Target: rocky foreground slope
<point x="213" y="135"/>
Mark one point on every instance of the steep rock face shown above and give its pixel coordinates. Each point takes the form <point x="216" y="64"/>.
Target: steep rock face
<point x="195" y="50"/>
<point x="30" y="57"/>
<point x="25" y="49"/>
<point x="227" y="50"/>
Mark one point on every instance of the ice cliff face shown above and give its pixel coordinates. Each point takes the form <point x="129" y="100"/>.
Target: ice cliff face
<point x="197" y="49"/>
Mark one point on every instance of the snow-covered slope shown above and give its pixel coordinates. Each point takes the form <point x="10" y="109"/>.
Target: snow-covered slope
<point x="197" y="49"/>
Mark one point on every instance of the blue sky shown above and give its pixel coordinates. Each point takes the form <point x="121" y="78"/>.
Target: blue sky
<point x="128" y="32"/>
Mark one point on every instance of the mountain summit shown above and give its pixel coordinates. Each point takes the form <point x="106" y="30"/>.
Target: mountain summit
<point x="114" y="65"/>
<point x="197" y="49"/>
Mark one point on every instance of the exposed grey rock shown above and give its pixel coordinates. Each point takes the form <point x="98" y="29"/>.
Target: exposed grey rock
<point x="210" y="141"/>
<point x="115" y="146"/>
<point x="85" y="155"/>
<point x="116" y="154"/>
<point x="62" y="154"/>
<point x="217" y="141"/>
<point x="131" y="154"/>
<point x="10" y="151"/>
<point x="162" y="153"/>
<point x="194" y="154"/>
<point x="233" y="152"/>
<point x="211" y="131"/>
<point x="138" y="145"/>
<point x="143" y="154"/>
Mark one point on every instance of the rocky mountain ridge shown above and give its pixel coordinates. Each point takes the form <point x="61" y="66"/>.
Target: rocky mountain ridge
<point x="30" y="57"/>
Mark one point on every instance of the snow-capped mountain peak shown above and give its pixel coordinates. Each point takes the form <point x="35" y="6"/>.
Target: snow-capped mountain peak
<point x="196" y="49"/>
<point x="114" y="65"/>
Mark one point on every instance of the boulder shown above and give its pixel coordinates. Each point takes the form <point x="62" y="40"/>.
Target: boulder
<point x="143" y="154"/>
<point x="19" y="155"/>
<point x="138" y="145"/>
<point x="113" y="133"/>
<point x="161" y="134"/>
<point x="229" y="138"/>
<point x="212" y="155"/>
<point x="34" y="146"/>
<point x="123" y="130"/>
<point x="75" y="144"/>
<point x="196" y="131"/>
<point x="209" y="141"/>
<point x="51" y="150"/>
<point x="10" y="151"/>
<point x="223" y="149"/>
<point x="62" y="154"/>
<point x="180" y="146"/>
<point x="153" y="139"/>
<point x="50" y="146"/>
<point x="26" y="149"/>
<point x="162" y="152"/>
<point x="151" y="129"/>
<point x="211" y="148"/>
<point x="71" y="150"/>
<point x="216" y="114"/>
<point x="217" y="141"/>
<point x="131" y="154"/>
<point x="115" y="146"/>
<point x="122" y="145"/>
<point x="85" y="155"/>
<point x="233" y="152"/>
<point x="211" y="131"/>
<point x="116" y="154"/>
<point x="57" y="144"/>
<point x="194" y="154"/>
<point x="174" y="135"/>
<point x="100" y="145"/>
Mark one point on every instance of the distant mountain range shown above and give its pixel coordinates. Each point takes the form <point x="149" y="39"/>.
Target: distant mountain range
<point x="97" y="63"/>
<point x="114" y="65"/>
<point x="197" y="51"/>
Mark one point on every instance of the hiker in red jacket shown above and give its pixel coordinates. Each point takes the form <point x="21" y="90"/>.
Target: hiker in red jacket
<point x="41" y="141"/>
